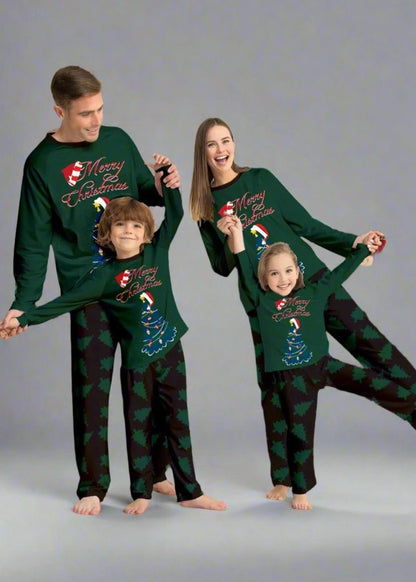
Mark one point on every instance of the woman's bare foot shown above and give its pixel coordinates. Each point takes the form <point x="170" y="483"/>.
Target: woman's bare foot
<point x="204" y="502"/>
<point x="300" y="501"/>
<point x="90" y="505"/>
<point x="137" y="507"/>
<point x="278" y="493"/>
<point x="164" y="487"/>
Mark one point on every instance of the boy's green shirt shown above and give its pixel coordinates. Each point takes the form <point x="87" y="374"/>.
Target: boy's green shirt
<point x="136" y="293"/>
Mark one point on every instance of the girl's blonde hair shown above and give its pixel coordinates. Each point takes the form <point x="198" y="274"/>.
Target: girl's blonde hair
<point x="278" y="248"/>
<point x="200" y="201"/>
<point x="124" y="208"/>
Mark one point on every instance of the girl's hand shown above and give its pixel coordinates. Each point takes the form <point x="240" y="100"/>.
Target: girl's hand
<point x="374" y="239"/>
<point x="226" y="222"/>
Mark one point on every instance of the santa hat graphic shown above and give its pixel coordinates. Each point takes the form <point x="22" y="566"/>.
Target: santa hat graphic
<point x="258" y="229"/>
<point x="294" y="322"/>
<point x="123" y="278"/>
<point x="145" y="296"/>
<point x="280" y="303"/>
<point x="72" y="173"/>
<point x="101" y="202"/>
<point x="226" y="209"/>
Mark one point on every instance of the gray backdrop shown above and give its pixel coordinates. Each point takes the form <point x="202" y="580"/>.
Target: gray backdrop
<point x="322" y="93"/>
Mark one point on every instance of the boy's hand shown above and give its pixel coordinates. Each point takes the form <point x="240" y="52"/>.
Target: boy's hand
<point x="11" y="328"/>
<point x="173" y="179"/>
<point x="15" y="328"/>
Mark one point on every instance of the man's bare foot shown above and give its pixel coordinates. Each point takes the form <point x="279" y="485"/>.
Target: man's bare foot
<point x="300" y="501"/>
<point x="278" y="493"/>
<point x="137" y="507"/>
<point x="204" y="502"/>
<point x="164" y="487"/>
<point x="90" y="505"/>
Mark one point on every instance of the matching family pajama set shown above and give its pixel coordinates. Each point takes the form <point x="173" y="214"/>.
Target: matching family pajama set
<point x="65" y="189"/>
<point x="269" y="213"/>
<point x="137" y="295"/>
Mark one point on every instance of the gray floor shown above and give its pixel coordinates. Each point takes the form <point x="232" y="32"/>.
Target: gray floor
<point x="362" y="526"/>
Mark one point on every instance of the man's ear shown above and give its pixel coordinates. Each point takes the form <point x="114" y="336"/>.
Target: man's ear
<point x="59" y="111"/>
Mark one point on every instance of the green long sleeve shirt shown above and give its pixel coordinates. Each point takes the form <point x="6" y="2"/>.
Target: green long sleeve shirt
<point x="269" y="213"/>
<point x="293" y="327"/>
<point x="136" y="293"/>
<point x="65" y="188"/>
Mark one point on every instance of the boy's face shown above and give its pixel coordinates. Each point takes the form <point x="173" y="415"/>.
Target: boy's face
<point x="281" y="274"/>
<point x="128" y="236"/>
<point x="82" y="119"/>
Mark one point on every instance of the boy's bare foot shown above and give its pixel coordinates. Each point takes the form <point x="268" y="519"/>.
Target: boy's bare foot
<point x="137" y="507"/>
<point x="164" y="487"/>
<point x="278" y="493"/>
<point x="204" y="502"/>
<point x="90" y="505"/>
<point x="300" y="501"/>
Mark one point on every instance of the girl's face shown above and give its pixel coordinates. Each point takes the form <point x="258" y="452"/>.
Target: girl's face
<point x="281" y="274"/>
<point x="219" y="148"/>
<point x="128" y="237"/>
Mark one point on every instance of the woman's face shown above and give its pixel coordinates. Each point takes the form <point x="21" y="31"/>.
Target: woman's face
<point x="219" y="148"/>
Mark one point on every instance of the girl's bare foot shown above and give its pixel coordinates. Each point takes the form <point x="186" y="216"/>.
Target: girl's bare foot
<point x="278" y="493"/>
<point x="164" y="487"/>
<point x="90" y="505"/>
<point x="137" y="507"/>
<point x="204" y="502"/>
<point x="300" y="501"/>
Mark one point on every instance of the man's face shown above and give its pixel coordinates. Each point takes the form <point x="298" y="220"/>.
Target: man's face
<point x="82" y="119"/>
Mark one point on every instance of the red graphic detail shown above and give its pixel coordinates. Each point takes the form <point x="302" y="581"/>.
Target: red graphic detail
<point x="123" y="278"/>
<point x="226" y="209"/>
<point x="280" y="303"/>
<point x="72" y="173"/>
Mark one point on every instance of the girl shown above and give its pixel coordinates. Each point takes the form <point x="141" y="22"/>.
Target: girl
<point x="269" y="213"/>
<point x="292" y="327"/>
<point x="135" y="288"/>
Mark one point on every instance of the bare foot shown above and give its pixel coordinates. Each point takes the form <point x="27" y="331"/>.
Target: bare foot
<point x="204" y="502"/>
<point x="137" y="507"/>
<point x="278" y="493"/>
<point x="164" y="487"/>
<point x="90" y="505"/>
<point x="300" y="501"/>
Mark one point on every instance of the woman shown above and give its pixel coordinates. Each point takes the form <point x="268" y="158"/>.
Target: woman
<point x="269" y="214"/>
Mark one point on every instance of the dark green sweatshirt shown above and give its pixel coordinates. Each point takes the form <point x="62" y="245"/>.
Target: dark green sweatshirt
<point x="136" y="293"/>
<point x="269" y="213"/>
<point x="293" y="327"/>
<point x="65" y="189"/>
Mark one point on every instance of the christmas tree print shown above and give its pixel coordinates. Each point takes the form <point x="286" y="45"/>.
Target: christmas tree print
<point x="261" y="235"/>
<point x="157" y="332"/>
<point x="296" y="350"/>
<point x="98" y="256"/>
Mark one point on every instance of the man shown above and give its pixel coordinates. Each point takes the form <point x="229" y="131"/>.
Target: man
<point x="67" y="181"/>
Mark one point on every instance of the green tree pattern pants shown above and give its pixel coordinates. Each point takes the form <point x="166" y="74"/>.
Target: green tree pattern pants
<point x="93" y="345"/>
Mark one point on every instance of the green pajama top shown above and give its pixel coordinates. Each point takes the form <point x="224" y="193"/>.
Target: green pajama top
<point x="269" y="213"/>
<point x="65" y="189"/>
<point x="292" y="327"/>
<point x="136" y="293"/>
